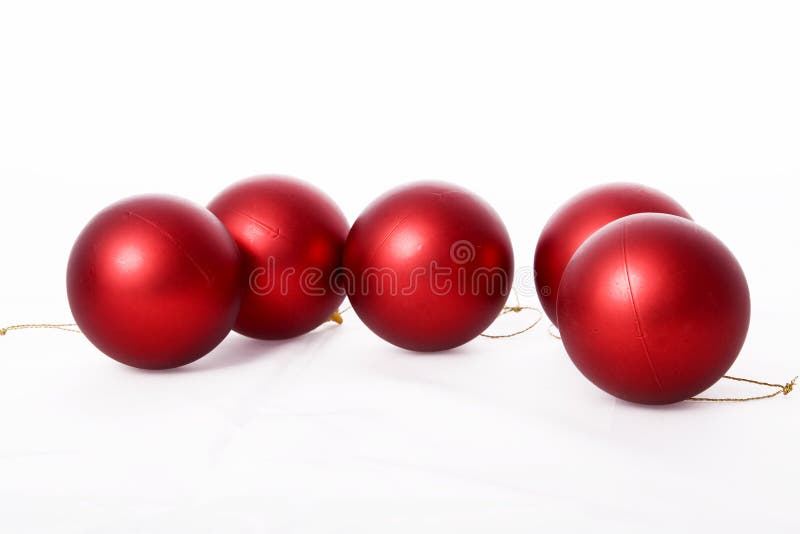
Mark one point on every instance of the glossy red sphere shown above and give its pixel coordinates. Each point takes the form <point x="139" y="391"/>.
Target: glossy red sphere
<point x="291" y="237"/>
<point x="153" y="282"/>
<point x="579" y="218"/>
<point x="653" y="308"/>
<point x="429" y="266"/>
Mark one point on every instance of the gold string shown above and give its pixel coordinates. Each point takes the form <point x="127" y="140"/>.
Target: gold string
<point x="553" y="331"/>
<point x="785" y="389"/>
<point x="516" y="309"/>
<point x="69" y="327"/>
<point x="336" y="317"/>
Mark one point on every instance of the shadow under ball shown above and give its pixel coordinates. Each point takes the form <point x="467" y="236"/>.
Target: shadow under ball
<point x="579" y="218"/>
<point x="152" y="282"/>
<point x="430" y="266"/>
<point x="291" y="237"/>
<point x="653" y="309"/>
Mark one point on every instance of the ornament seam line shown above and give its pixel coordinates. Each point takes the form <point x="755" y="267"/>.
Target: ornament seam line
<point x="638" y="320"/>
<point x="387" y="236"/>
<point x="175" y="242"/>
<point x="436" y="195"/>
<point x="275" y="231"/>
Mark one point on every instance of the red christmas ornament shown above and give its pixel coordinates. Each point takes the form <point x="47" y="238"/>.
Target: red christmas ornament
<point x="428" y="266"/>
<point x="579" y="218"/>
<point x="653" y="308"/>
<point x="291" y="237"/>
<point x="153" y="282"/>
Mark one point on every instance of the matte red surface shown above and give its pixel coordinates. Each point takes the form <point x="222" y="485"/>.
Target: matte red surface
<point x="579" y="218"/>
<point x="653" y="309"/>
<point x="428" y="237"/>
<point x="291" y="237"/>
<point x="153" y="281"/>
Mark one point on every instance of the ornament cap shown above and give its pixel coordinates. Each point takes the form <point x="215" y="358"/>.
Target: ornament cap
<point x="336" y="317"/>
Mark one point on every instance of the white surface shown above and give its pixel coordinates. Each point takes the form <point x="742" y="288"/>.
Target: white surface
<point x="525" y="103"/>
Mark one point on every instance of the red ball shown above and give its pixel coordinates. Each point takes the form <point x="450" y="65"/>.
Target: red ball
<point x="653" y="308"/>
<point x="153" y="282"/>
<point x="579" y="218"/>
<point x="429" y="266"/>
<point x="291" y="237"/>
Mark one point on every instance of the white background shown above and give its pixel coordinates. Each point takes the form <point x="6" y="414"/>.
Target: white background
<point x="525" y="103"/>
